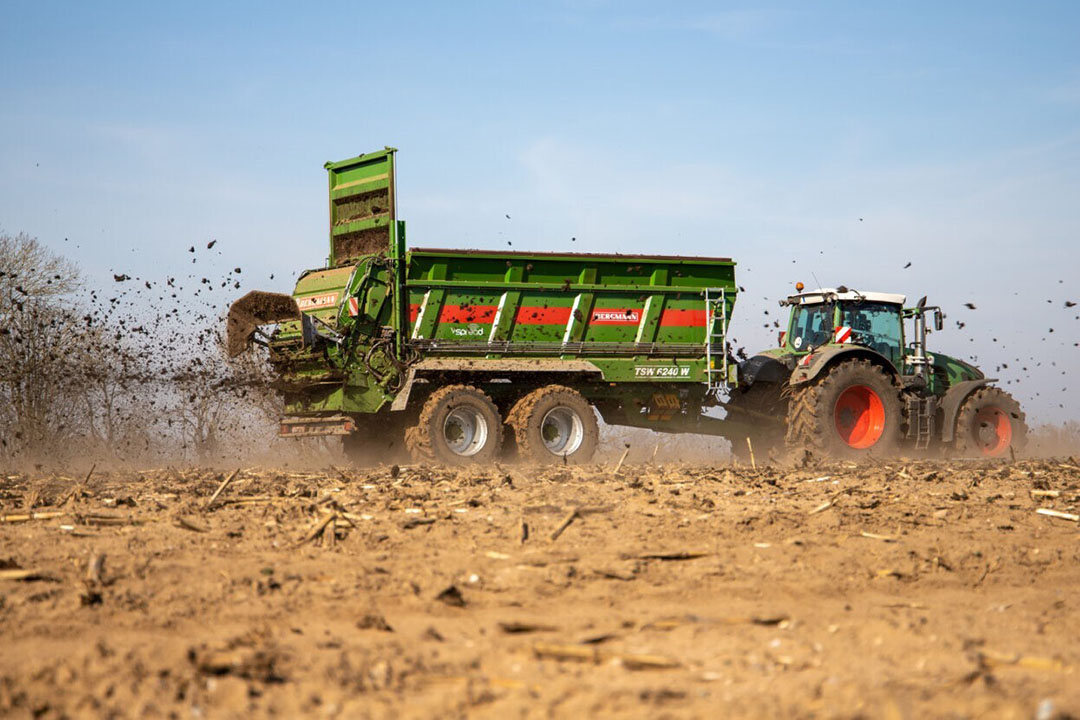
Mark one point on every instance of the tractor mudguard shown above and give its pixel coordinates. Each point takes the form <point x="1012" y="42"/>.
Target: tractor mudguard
<point x="812" y="365"/>
<point x="762" y="368"/>
<point x="954" y="398"/>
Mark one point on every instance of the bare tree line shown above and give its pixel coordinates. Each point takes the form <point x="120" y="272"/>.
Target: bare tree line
<point x="83" y="377"/>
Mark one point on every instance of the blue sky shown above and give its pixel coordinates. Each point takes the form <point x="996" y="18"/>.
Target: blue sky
<point x="830" y="140"/>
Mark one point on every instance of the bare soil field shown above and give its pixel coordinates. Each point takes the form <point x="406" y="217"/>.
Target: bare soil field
<point x="901" y="590"/>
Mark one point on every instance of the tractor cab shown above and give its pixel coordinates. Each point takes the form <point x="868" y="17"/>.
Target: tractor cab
<point x="839" y="316"/>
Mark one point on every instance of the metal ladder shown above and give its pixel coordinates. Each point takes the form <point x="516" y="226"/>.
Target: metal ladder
<point x="921" y="420"/>
<point x="715" y="377"/>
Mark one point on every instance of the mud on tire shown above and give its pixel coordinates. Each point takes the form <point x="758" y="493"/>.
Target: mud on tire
<point x="853" y="412"/>
<point x="458" y="425"/>
<point x="553" y="423"/>
<point x="989" y="422"/>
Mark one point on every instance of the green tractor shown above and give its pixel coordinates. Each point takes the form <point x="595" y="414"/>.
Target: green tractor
<point x="852" y="377"/>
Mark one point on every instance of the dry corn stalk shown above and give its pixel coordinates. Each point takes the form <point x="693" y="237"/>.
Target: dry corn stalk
<point x="578" y="653"/>
<point x="25" y="517"/>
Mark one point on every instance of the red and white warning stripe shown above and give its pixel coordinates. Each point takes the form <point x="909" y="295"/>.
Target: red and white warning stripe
<point x="842" y="335"/>
<point x="354" y="307"/>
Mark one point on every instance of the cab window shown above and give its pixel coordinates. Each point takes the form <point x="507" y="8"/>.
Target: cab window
<point x="811" y="326"/>
<point x="877" y="326"/>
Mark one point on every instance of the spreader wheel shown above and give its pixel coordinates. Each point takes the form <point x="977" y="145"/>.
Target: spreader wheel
<point x="989" y="423"/>
<point x="554" y="424"/>
<point x="458" y="425"/>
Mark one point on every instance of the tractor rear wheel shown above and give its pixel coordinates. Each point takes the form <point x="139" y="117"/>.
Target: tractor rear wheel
<point x="853" y="412"/>
<point x="458" y="425"/>
<point x="554" y="424"/>
<point x="989" y="423"/>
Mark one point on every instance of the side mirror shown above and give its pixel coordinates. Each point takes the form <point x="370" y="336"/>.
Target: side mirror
<point x="939" y="320"/>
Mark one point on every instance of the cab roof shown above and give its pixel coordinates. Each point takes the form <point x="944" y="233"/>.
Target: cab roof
<point x="811" y="297"/>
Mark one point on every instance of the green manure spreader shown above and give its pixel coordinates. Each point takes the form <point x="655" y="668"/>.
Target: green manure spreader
<point x="463" y="356"/>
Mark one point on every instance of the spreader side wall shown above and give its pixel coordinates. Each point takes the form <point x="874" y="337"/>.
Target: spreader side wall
<point x="643" y="312"/>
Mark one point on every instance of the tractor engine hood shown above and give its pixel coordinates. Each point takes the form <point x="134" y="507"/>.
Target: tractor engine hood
<point x="956" y="369"/>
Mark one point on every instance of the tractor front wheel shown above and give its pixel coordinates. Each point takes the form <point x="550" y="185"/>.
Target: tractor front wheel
<point x="853" y="412"/>
<point x="989" y="423"/>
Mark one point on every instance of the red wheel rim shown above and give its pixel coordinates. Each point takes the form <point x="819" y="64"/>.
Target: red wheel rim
<point x="859" y="417"/>
<point x="993" y="431"/>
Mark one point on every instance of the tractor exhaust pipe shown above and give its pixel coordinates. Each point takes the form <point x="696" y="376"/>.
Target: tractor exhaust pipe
<point x="918" y="356"/>
<point x="919" y="359"/>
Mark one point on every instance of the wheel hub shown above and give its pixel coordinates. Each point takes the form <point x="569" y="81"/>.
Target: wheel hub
<point x="993" y="431"/>
<point x="859" y="417"/>
<point x="465" y="431"/>
<point x="562" y="431"/>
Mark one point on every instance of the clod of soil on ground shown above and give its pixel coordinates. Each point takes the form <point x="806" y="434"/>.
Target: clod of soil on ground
<point x="891" y="590"/>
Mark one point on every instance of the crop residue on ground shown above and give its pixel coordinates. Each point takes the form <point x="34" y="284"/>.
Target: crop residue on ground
<point x="903" y="590"/>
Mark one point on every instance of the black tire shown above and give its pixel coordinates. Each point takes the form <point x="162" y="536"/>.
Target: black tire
<point x="764" y="406"/>
<point x="989" y="423"/>
<point x="554" y="424"/>
<point x="442" y="433"/>
<point x="852" y="412"/>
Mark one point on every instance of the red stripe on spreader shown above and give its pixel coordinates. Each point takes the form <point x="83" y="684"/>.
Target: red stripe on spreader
<point x="554" y="316"/>
<point x="542" y="315"/>
<point x="683" y="318"/>
<point x="486" y="313"/>
<point x="456" y="314"/>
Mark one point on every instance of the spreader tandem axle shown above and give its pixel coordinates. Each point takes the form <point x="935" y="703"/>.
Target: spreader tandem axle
<point x="462" y="356"/>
